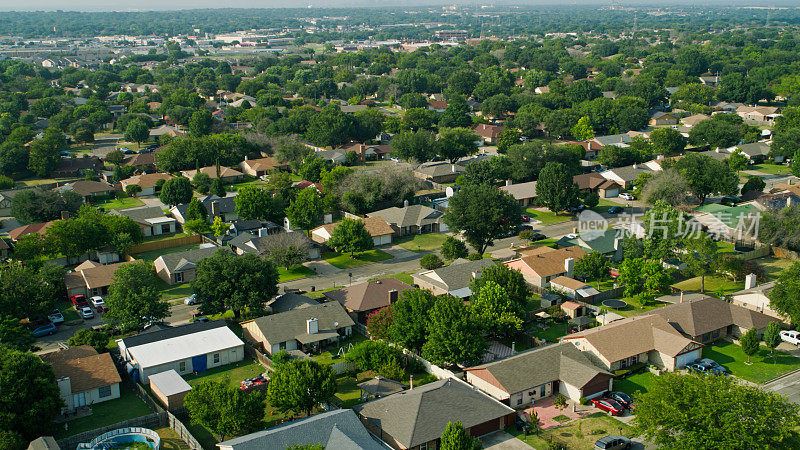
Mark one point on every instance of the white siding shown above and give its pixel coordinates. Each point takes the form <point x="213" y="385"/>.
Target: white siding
<point x="486" y="387"/>
<point x="227" y="356"/>
<point x="569" y="391"/>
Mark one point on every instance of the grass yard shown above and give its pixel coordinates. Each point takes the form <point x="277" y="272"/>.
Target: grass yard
<point x="330" y="355"/>
<point x="294" y="273"/>
<point x="400" y="276"/>
<point x="762" y="368"/>
<point x="774" y="266"/>
<point x="170" y="440"/>
<point x="121" y="203"/>
<point x="578" y="434"/>
<point x="68" y="311"/>
<point x="348" y="392"/>
<point x="726" y="247"/>
<point x="127" y="406"/>
<point x="174" y="291"/>
<point x="550" y="242"/>
<point x="421" y="242"/>
<point x="164" y="237"/>
<point x="771" y="169"/>
<point x="547" y="217"/>
<point x="247" y="368"/>
<point x="554" y="331"/>
<point x="713" y="285"/>
<point x="344" y="261"/>
<point x="632" y="310"/>
<point x="603" y="205"/>
<point x="639" y="382"/>
<point x="152" y="255"/>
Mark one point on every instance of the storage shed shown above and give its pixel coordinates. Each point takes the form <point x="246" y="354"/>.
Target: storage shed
<point x="169" y="388"/>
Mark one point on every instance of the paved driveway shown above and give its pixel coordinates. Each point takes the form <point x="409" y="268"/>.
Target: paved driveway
<point x="500" y="440"/>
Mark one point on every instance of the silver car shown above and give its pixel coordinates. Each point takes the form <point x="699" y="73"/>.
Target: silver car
<point x="86" y="312"/>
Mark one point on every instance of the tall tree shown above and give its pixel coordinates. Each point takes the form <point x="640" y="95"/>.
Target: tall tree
<point x="737" y="161"/>
<point x="750" y="343"/>
<point x="224" y="409"/>
<point x="305" y="210"/>
<point x="455" y="437"/>
<point x="419" y="146"/>
<point x="44" y="154"/>
<point x="300" y="385"/>
<point x="667" y="141"/>
<point x="200" y="123"/>
<point x="28" y="291"/>
<point x="134" y="298"/>
<point x="454" y="334"/>
<point x="593" y="266"/>
<point x="772" y="337"/>
<point x="350" y="236"/>
<point x="512" y="282"/>
<point x="14" y="335"/>
<point x="176" y="191"/>
<point x="197" y="210"/>
<point x="702" y="253"/>
<point x="492" y="306"/>
<point x="555" y="187"/>
<point x="456" y="143"/>
<point x="453" y="248"/>
<point x="253" y="202"/>
<point x="783" y="297"/>
<point x="410" y="318"/>
<point x="226" y="281"/>
<point x="482" y="213"/>
<point x="137" y="131"/>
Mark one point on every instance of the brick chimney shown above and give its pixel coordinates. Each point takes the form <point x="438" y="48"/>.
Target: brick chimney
<point x="214" y="208"/>
<point x="569" y="264"/>
<point x="393" y="296"/>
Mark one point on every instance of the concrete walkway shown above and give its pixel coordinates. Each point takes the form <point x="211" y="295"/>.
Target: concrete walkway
<point x="500" y="440"/>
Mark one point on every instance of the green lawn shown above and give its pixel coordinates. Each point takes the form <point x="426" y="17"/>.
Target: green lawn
<point x="421" y="242"/>
<point x="771" y="169"/>
<point x="68" y="311"/>
<point x="127" y="406"/>
<point x="344" y="261"/>
<point x="713" y="285"/>
<point x="401" y="276"/>
<point x="762" y="368"/>
<point x="330" y="355"/>
<point x="603" y="205"/>
<point x="174" y="291"/>
<point x="294" y="273"/>
<point x="639" y="382"/>
<point x="348" y="392"/>
<point x="550" y="242"/>
<point x="247" y="368"/>
<point x="726" y="247"/>
<point x="774" y="266"/>
<point x="578" y="434"/>
<point x="554" y="331"/>
<point x="152" y="255"/>
<point x="121" y="203"/>
<point x="633" y="310"/>
<point x="164" y="237"/>
<point x="547" y="217"/>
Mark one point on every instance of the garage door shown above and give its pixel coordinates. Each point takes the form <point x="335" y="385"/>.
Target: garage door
<point x="485" y="428"/>
<point x="686" y="358"/>
<point x="596" y="385"/>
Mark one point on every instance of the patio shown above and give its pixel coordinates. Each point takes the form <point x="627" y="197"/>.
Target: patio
<point x="546" y="412"/>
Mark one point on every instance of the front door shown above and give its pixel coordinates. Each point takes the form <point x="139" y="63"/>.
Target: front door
<point x="78" y="400"/>
<point x="199" y="363"/>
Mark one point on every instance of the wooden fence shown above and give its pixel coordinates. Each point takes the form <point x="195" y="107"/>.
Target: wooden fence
<point x="253" y="352"/>
<point x="758" y="253"/>
<point x="785" y="253"/>
<point x="166" y="243"/>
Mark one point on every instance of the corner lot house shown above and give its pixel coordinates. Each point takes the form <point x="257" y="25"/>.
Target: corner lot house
<point x="542" y="264"/>
<point x="438" y="172"/>
<point x="181" y="267"/>
<point x="535" y="374"/>
<point x="361" y="300"/>
<point x="91" y="278"/>
<point x="150" y="218"/>
<point x="645" y="338"/>
<point x="145" y="181"/>
<point x="306" y="329"/>
<point x="377" y="227"/>
<point x="414" y="219"/>
<point x="416" y="418"/>
<point x="222" y="207"/>
<point x="261" y="245"/>
<point x="594" y="182"/>
<point x="453" y="279"/>
<point x="84" y="377"/>
<point x="189" y="348"/>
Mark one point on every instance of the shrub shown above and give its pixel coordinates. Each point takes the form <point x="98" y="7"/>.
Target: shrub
<point x="583" y="401"/>
<point x="430" y="262"/>
<point x="282" y="357"/>
<point x="560" y="401"/>
<point x="378" y="356"/>
<point x="475" y="257"/>
<point x="6" y="182"/>
<point x="452" y="248"/>
<point x="526" y="234"/>
<point x="392" y="369"/>
<point x="86" y="336"/>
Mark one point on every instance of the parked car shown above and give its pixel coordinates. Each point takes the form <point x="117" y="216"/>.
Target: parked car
<point x="626" y="196"/>
<point x="56" y="317"/>
<point x="79" y="300"/>
<point x="44" y="330"/>
<point x="612" y="442"/>
<point x="201" y="319"/>
<point x="701" y="368"/>
<point x="190" y="300"/>
<point x="577" y="209"/>
<point x="99" y="304"/>
<point x="571" y="236"/>
<point x="621" y="398"/>
<point x="608" y="405"/>
<point x="616" y="210"/>
<point x="716" y="367"/>
<point x="730" y="201"/>
<point x="85" y="312"/>
<point x="524" y="227"/>
<point x="537" y="237"/>
<point x="128" y="151"/>
<point x="791" y="337"/>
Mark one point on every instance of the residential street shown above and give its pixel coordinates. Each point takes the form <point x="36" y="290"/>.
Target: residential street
<point x="788" y="386"/>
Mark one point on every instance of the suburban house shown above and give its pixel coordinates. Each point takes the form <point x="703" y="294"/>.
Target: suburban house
<point x="437" y="105"/>
<point x="190" y="348"/>
<point x="380" y="387"/>
<point x="150" y="218"/>
<point x="146" y="181"/>
<point x="574" y="289"/>
<point x="5" y="202"/>
<point x="661" y="118"/>
<point x="88" y="189"/>
<point x="416" y="418"/>
<point x="626" y="175"/>
<point x="707" y="319"/>
<point x="367" y="152"/>
<point x="39" y="228"/>
<point x="755" y="151"/>
<point x="542" y="264"/>
<point x="261" y="166"/>
<point x="181" y="267"/>
<point x="414" y="219"/>
<point x="336" y="156"/>
<point x="710" y="80"/>
<point x="693" y="120"/>
<point x="594" y="182"/>
<point x="261" y="245"/>
<point x="438" y="172"/>
<point x="607" y="242"/>
<point x="645" y="338"/>
<point x="142" y="161"/>
<point x="453" y="279"/>
<point x="224" y="173"/>
<point x="488" y="133"/>
<point x="222" y="207"/>
<point x="336" y="429"/>
<point x="762" y="115"/>
<point x="523" y="193"/>
<point x="91" y="278"/>
<point x="71" y="167"/>
<point x="84" y="377"/>
<point x="377" y="227"/>
<point x="756" y="298"/>
<point x="362" y="299"/>
<point x="539" y="373"/>
<point x="307" y="329"/>
<point x="288" y="301"/>
<point x="254" y="227"/>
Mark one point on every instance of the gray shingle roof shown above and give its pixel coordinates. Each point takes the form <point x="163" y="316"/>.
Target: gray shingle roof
<point x="338" y="429"/>
<point x="521" y="191"/>
<point x="140" y="214"/>
<point x="457" y="275"/>
<point x="421" y="414"/>
<point x="177" y="260"/>
<point x="291" y="324"/>
<point x="707" y="314"/>
<point x="225" y="205"/>
<point x="408" y="215"/>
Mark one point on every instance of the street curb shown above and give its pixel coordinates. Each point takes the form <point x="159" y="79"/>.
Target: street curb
<point x="780" y="377"/>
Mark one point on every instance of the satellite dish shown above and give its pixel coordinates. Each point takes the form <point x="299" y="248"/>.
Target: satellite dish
<point x="335" y="324"/>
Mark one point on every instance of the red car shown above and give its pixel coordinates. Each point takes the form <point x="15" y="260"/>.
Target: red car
<point x="608" y="405"/>
<point x="79" y="300"/>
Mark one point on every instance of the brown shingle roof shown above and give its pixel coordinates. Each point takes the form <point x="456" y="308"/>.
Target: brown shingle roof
<point x="264" y="164"/>
<point x="100" y="276"/>
<point x="547" y="261"/>
<point x="146" y="180"/>
<point x="211" y="171"/>
<point x="707" y="314"/>
<point x="85" y="368"/>
<point x="375" y="226"/>
<point x="89" y="187"/>
<point x="367" y="296"/>
<point x="567" y="282"/>
<point x="37" y="228"/>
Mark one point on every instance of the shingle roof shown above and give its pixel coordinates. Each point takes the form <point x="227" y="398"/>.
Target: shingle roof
<point x="455" y="276"/>
<point x="538" y="366"/>
<point x="546" y="261"/>
<point x="224" y="205"/>
<point x="264" y="164"/>
<point x="521" y="191"/>
<point x="172" y="349"/>
<point x="755" y="149"/>
<point x="289" y="325"/>
<point x="420" y="415"/>
<point x="211" y="171"/>
<point x="382" y="387"/>
<point x="375" y="226"/>
<point x="261" y="245"/>
<point x="289" y="301"/>
<point x="89" y="187"/>
<point x="569" y="283"/>
<point x="337" y="429"/>
<point x="408" y="215"/>
<point x="141" y="213"/>
<point x="38" y="228"/>
<point x="703" y="315"/>
<point x="187" y="259"/>
<point x="146" y="180"/>
<point x="439" y="169"/>
<point x="99" y="276"/>
<point x="146" y="337"/>
<point x="85" y="368"/>
<point x="368" y="295"/>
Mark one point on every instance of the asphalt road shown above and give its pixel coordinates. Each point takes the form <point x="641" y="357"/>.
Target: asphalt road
<point x="788" y="386"/>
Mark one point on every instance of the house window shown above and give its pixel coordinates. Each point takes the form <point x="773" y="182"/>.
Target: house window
<point x="519" y="400"/>
<point x="706" y="337"/>
<point x="182" y="366"/>
<point x="627" y="362"/>
<point x="715" y="334"/>
<point x="166" y="228"/>
<point x="104" y="392"/>
<point x="282" y="346"/>
<point x="542" y="390"/>
<point x="216" y="358"/>
<point x="179" y="277"/>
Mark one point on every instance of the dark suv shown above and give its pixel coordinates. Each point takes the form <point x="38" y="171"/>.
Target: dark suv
<point x="612" y="442"/>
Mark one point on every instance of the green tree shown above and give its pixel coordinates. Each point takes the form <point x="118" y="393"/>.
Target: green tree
<point x="14" y="335"/>
<point x="224" y="409"/>
<point x="582" y="130"/>
<point x="707" y="176"/>
<point x="200" y="123"/>
<point x="456" y="143"/>
<point x="30" y="399"/>
<point x="86" y="336"/>
<point x="137" y="131"/>
<point x="350" y="236"/>
<point x="430" y="262"/>
<point x="453" y="248"/>
<point x="794" y="166"/>
<point x="410" y="318"/>
<point x="133" y="189"/>
<point x="44" y="154"/>
<point x="253" y="202"/>
<point x="176" y="191"/>
<point x="493" y="308"/>
<point x="750" y="343"/>
<point x="419" y="146"/>
<point x="702" y="254"/>
<point x="30" y="292"/>
<point x="512" y="282"/>
<point x="218" y="187"/>
<point x="555" y="188"/>
<point x="753" y="184"/>
<point x="482" y="213"/>
<point x="772" y="337"/>
<point x="455" y="437"/>
<point x="783" y="297"/>
<point x="219" y="227"/>
<point x="197" y="210"/>
<point x="667" y="141"/>
<point x="196" y="226"/>
<point x="305" y="210"/>
<point x="134" y="297"/>
<point x="593" y="266"/>
<point x="737" y="161"/>
<point x="226" y="281"/>
<point x="507" y="138"/>
<point x="288" y="250"/>
<point x="300" y="385"/>
<point x="734" y="415"/>
<point x="454" y="334"/>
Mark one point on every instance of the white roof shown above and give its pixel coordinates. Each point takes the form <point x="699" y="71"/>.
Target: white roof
<point x="169" y="382"/>
<point x="183" y="347"/>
